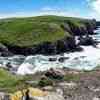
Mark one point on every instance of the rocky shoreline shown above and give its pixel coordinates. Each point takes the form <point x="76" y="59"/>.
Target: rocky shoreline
<point x="60" y="46"/>
<point x="68" y="84"/>
<point x="59" y="84"/>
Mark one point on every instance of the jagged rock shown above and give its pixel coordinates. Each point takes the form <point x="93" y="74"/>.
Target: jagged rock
<point x="67" y="43"/>
<point x="54" y="74"/>
<point x="4" y="51"/>
<point x="46" y="48"/>
<point x="87" y="41"/>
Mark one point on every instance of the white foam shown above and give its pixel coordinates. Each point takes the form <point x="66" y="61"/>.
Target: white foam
<point x="87" y="59"/>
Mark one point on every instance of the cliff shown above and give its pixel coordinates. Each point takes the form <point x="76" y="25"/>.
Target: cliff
<point x="43" y="34"/>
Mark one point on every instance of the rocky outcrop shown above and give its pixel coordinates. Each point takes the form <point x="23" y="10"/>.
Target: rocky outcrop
<point x="47" y="48"/>
<point x="90" y="26"/>
<point x="87" y="40"/>
<point x="68" y="43"/>
<point x="82" y="28"/>
<point x="54" y="74"/>
<point x="4" y="51"/>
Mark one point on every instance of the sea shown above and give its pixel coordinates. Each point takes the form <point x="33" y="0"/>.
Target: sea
<point x="88" y="59"/>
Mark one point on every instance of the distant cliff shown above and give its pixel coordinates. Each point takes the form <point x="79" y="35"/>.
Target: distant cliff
<point x="98" y="23"/>
<point x="43" y="34"/>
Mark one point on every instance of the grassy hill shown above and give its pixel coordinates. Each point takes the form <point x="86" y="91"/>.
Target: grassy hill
<point x="34" y="30"/>
<point x="9" y="82"/>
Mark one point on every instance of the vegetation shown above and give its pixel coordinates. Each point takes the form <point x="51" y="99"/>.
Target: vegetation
<point x="71" y="77"/>
<point x="45" y="82"/>
<point x="34" y="30"/>
<point x="9" y="82"/>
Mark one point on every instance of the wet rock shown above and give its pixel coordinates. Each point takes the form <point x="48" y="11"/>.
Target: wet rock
<point x="62" y="59"/>
<point x="52" y="59"/>
<point x="87" y="41"/>
<point x="82" y="56"/>
<point x="76" y="58"/>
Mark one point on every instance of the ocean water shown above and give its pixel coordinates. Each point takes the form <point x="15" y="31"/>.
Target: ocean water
<point x="87" y="59"/>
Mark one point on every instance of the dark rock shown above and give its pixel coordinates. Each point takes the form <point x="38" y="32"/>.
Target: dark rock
<point x="46" y="48"/>
<point x="4" y="51"/>
<point x="52" y="59"/>
<point x="90" y="26"/>
<point x="79" y="49"/>
<point x="76" y="58"/>
<point x="82" y="56"/>
<point x="76" y="29"/>
<point x="9" y="66"/>
<point x="54" y="74"/>
<point x="62" y="59"/>
<point x="3" y="47"/>
<point x="68" y="43"/>
<point x="98" y="23"/>
<point x="87" y="41"/>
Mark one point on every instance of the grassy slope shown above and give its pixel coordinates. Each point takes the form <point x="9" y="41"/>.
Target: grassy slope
<point x="34" y="30"/>
<point x="9" y="82"/>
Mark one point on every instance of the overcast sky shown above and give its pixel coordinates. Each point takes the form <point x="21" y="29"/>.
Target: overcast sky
<point x="74" y="8"/>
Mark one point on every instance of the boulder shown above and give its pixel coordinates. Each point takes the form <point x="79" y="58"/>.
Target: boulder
<point x="55" y="74"/>
<point x="62" y="59"/>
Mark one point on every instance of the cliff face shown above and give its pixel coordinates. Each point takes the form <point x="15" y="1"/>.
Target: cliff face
<point x="98" y="23"/>
<point x="47" y="48"/>
<point x="48" y="35"/>
<point x="82" y="27"/>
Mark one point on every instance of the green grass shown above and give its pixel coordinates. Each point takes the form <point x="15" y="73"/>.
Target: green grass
<point x="71" y="77"/>
<point x="9" y="82"/>
<point x="34" y="30"/>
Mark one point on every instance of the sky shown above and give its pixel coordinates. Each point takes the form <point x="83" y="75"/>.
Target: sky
<point x="74" y="8"/>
